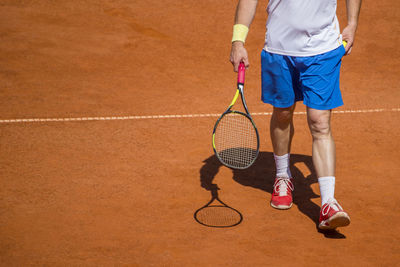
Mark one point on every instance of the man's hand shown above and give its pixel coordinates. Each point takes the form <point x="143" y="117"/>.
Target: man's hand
<point x="348" y="35"/>
<point x="238" y="54"/>
<point x="245" y="11"/>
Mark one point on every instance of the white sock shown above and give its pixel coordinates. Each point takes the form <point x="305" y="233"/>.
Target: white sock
<point x="282" y="166"/>
<point x="327" y="188"/>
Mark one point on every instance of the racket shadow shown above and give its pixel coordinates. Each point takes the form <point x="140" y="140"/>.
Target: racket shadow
<point x="261" y="176"/>
<point x="216" y="213"/>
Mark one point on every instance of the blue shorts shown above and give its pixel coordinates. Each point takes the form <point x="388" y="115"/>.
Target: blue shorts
<point x="315" y="79"/>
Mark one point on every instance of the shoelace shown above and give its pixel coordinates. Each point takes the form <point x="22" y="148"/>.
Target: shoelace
<point x="281" y="186"/>
<point x="330" y="204"/>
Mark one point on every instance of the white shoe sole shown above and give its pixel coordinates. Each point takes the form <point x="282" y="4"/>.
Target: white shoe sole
<point x="281" y="207"/>
<point x="340" y="219"/>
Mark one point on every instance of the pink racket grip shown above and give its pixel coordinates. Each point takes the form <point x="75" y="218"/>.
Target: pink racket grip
<point x="241" y="71"/>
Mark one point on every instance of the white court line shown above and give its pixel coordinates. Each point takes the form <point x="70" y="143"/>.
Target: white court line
<point x="114" y="118"/>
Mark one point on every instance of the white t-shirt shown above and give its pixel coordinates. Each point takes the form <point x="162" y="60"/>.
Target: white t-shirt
<point x="302" y="27"/>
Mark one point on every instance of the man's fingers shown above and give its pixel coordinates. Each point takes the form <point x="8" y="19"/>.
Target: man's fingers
<point x="246" y="62"/>
<point x="348" y="52"/>
<point x="237" y="63"/>
<point x="348" y="46"/>
<point x="235" y="66"/>
<point x="238" y="54"/>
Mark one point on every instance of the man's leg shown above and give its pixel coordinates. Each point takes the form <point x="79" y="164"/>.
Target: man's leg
<point x="323" y="151"/>
<point x="324" y="159"/>
<point x="281" y="131"/>
<point x="323" y="145"/>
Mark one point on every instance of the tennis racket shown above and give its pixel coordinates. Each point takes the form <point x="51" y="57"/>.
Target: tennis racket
<point x="235" y="137"/>
<point x="217" y="214"/>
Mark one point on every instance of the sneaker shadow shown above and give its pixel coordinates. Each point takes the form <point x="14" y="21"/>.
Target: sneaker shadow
<point x="261" y="176"/>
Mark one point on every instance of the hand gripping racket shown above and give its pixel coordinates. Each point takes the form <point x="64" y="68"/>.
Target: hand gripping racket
<point x="235" y="137"/>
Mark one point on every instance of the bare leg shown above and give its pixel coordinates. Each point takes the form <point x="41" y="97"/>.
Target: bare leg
<point x="323" y="145"/>
<point x="324" y="157"/>
<point x="282" y="130"/>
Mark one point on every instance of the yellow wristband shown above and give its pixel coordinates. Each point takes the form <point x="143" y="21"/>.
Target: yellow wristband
<point x="239" y="32"/>
<point x="344" y="43"/>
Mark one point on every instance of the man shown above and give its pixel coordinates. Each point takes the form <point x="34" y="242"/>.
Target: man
<point x="301" y="61"/>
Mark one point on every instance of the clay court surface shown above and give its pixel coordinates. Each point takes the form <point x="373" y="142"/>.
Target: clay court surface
<point x="96" y="184"/>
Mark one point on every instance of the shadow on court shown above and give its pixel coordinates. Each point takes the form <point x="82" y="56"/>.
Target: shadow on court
<point x="261" y="175"/>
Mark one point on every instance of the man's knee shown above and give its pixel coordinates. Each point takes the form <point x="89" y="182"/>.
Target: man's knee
<point x="283" y="115"/>
<point x="319" y="123"/>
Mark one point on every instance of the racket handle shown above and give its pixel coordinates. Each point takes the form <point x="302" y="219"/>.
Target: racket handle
<point x="241" y="71"/>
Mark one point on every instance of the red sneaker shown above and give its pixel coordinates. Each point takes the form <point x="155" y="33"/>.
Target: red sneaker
<point x="332" y="216"/>
<point x="282" y="193"/>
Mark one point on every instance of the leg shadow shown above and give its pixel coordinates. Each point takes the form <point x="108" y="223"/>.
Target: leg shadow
<point x="262" y="176"/>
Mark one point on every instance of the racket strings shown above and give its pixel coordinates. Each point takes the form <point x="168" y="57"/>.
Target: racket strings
<point x="236" y="141"/>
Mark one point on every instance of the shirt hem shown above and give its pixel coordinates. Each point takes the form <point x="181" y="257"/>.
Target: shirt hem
<point x="299" y="54"/>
